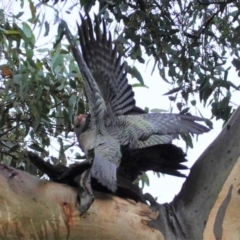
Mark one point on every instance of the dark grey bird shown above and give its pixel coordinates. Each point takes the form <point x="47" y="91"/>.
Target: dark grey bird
<point x="112" y="125"/>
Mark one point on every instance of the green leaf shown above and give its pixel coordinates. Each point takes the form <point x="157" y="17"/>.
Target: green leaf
<point x="33" y="9"/>
<point x="135" y="73"/>
<point x="56" y="59"/>
<point x="139" y="85"/>
<point x="27" y="40"/>
<point x="136" y="52"/>
<point x="58" y="63"/>
<point x="185" y="110"/>
<point x="144" y="180"/>
<point x="141" y="60"/>
<point x="157" y="110"/>
<point x="46" y="28"/>
<point x="72" y="84"/>
<point x="122" y="39"/>
<point x="174" y="90"/>
<point x="14" y="148"/>
<point x="27" y="30"/>
<point x="187" y="138"/>
<point x="33" y="110"/>
<point x="19" y="15"/>
<point x="42" y="50"/>
<point x="72" y="100"/>
<point x="179" y="106"/>
<point x="11" y="32"/>
<point x="36" y="123"/>
<point x="171" y="98"/>
<point x="193" y="102"/>
<point x="158" y="174"/>
<point x="146" y="109"/>
<point x="30" y="55"/>
<point x="209" y="123"/>
<point x="36" y="147"/>
<point x="3" y="115"/>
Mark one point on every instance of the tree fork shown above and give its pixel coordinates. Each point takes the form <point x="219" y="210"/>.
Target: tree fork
<point x="207" y="207"/>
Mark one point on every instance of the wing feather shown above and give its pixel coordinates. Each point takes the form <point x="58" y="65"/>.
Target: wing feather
<point x="106" y="66"/>
<point x="107" y="157"/>
<point x="142" y="130"/>
<point x="96" y="102"/>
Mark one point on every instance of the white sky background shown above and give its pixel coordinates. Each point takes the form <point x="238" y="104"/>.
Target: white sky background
<point x="166" y="187"/>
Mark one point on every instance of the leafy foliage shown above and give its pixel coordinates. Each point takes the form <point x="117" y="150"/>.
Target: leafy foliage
<point x="41" y="92"/>
<point x="190" y="42"/>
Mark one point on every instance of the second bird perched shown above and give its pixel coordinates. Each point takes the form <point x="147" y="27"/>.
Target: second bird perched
<point x="115" y="122"/>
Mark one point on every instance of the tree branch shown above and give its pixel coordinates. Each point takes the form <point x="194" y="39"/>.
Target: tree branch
<point x="33" y="208"/>
<point x="213" y="178"/>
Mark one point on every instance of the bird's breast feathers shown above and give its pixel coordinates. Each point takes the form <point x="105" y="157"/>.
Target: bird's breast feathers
<point x="87" y="140"/>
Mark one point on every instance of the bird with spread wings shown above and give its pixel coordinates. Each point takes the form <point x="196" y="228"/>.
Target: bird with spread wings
<point x="115" y="122"/>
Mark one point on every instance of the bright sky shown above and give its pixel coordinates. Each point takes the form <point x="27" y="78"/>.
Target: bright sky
<point x="166" y="187"/>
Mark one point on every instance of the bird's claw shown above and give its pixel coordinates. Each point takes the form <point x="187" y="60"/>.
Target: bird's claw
<point x="85" y="195"/>
<point x="148" y="197"/>
<point x="84" y="201"/>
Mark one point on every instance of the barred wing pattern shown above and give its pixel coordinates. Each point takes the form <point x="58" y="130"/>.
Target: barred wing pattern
<point x="107" y="155"/>
<point x="139" y="129"/>
<point x="106" y="66"/>
<point x="96" y="103"/>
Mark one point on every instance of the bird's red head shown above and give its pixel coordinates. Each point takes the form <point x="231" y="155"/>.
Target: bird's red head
<point x="79" y="123"/>
<point x="80" y="120"/>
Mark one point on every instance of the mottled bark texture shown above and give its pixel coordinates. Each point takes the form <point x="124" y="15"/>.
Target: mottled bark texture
<point x="207" y="207"/>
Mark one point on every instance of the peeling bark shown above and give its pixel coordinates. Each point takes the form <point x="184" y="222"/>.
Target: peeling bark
<point x="207" y="207"/>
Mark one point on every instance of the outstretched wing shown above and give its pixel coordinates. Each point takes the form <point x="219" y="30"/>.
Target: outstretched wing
<point x="96" y="102"/>
<point x="107" y="67"/>
<point x="144" y="129"/>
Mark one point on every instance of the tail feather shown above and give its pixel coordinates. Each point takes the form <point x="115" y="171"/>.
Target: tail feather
<point x="163" y="158"/>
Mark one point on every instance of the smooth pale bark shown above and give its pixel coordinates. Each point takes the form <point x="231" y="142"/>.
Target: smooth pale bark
<point x="208" y="179"/>
<point x="207" y="207"/>
<point x="31" y="208"/>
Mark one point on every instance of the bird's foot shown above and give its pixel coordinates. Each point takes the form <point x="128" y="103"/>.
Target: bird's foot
<point x="84" y="201"/>
<point x="85" y="195"/>
<point x="148" y="197"/>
